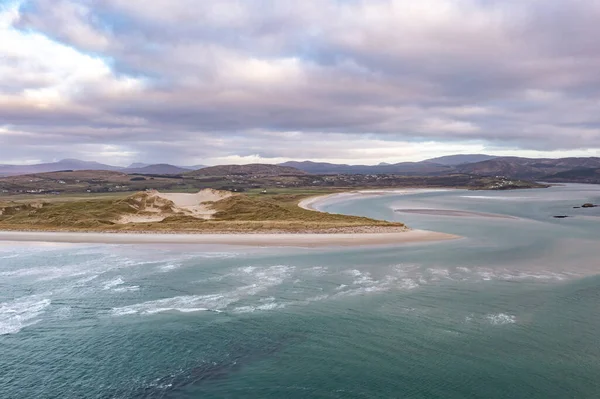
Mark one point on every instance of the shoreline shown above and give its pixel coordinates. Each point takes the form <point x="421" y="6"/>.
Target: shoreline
<point x="349" y="236"/>
<point x="310" y="202"/>
<point x="245" y="239"/>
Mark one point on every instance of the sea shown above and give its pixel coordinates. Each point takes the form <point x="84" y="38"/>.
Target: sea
<point x="510" y="310"/>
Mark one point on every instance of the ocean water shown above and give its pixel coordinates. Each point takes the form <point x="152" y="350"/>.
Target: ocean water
<point x="512" y="310"/>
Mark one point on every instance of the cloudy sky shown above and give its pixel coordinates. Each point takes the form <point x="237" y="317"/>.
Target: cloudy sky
<point x="354" y="81"/>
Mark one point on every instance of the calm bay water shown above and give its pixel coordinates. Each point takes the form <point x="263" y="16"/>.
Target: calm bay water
<point x="509" y="311"/>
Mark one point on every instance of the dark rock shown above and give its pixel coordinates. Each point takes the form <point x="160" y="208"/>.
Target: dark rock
<point x="576" y="207"/>
<point x="588" y="205"/>
<point x="561" y="216"/>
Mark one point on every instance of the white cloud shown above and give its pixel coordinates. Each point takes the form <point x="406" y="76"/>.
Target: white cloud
<point x="366" y="80"/>
<point x="72" y="21"/>
<point x="45" y="73"/>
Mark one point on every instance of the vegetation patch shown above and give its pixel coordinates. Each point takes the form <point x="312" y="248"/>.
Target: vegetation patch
<point x="240" y="213"/>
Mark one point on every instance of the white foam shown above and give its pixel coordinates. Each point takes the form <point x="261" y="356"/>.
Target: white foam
<point x="486" y="275"/>
<point x="45" y="273"/>
<point x="169" y="267"/>
<point x="255" y="280"/>
<point x="361" y="278"/>
<point x="113" y="283"/>
<point x="268" y="299"/>
<point x="252" y="309"/>
<point x="409" y="284"/>
<point x="517" y="275"/>
<point x="247" y="269"/>
<point x="21" y="313"/>
<point x="318" y="298"/>
<point x="216" y="255"/>
<point x="183" y="304"/>
<point x="90" y="268"/>
<point x="501" y="318"/>
<point x="129" y="288"/>
<point x="437" y="274"/>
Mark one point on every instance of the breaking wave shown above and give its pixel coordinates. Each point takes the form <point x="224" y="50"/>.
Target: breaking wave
<point x="20" y="313"/>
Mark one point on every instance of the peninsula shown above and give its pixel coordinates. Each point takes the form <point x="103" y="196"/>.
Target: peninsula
<point x="232" y="204"/>
<point x="208" y="217"/>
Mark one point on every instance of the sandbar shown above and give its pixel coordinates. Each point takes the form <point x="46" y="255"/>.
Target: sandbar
<point x="349" y="236"/>
<point x="258" y="239"/>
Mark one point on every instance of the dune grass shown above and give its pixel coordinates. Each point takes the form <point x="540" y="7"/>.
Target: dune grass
<point x="239" y="213"/>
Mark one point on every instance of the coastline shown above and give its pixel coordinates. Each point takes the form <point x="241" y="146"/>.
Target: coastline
<point x="310" y="202"/>
<point x="349" y="236"/>
<point x="245" y="239"/>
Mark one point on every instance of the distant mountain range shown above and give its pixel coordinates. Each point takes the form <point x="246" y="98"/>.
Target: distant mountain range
<point x="158" y="169"/>
<point x="65" y="164"/>
<point x="481" y="165"/>
<point x="453" y="160"/>
<point x="528" y="168"/>
<point x="251" y="169"/>
<point x="583" y="170"/>
<point x="404" y="168"/>
<point x="585" y="175"/>
<point x="76" y="164"/>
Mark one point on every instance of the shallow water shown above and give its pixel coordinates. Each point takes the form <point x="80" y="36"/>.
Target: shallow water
<point x="509" y="311"/>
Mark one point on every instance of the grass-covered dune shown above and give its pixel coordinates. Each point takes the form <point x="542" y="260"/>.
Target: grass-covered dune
<point x="239" y="213"/>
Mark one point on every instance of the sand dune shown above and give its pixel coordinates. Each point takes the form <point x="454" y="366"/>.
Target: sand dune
<point x="157" y="206"/>
<point x="154" y="206"/>
<point x="196" y="204"/>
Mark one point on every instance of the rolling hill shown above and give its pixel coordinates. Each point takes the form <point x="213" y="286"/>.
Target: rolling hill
<point x="561" y="169"/>
<point x="65" y="164"/>
<point x="158" y="169"/>
<point x="251" y="169"/>
<point x="584" y="175"/>
<point x="76" y="164"/>
<point x="527" y="168"/>
<point x="460" y="159"/>
<point x="403" y="168"/>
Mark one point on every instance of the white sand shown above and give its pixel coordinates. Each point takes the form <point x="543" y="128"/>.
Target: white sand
<point x="268" y="240"/>
<point x="196" y="205"/>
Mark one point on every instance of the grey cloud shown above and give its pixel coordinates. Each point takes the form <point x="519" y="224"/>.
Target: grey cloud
<point x="224" y="79"/>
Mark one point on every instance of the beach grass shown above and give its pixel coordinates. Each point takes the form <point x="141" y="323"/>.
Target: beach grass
<point x="272" y="212"/>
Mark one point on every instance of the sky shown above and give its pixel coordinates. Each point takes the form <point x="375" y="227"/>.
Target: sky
<point x="347" y="81"/>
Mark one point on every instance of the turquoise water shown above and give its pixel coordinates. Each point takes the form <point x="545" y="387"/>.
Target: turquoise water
<point x="509" y="311"/>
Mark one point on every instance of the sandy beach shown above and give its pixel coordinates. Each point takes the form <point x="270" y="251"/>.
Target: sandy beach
<point x="259" y="239"/>
<point x="349" y="236"/>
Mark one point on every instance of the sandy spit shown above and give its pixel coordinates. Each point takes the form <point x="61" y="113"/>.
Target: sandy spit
<point x="352" y="236"/>
<point x="259" y="239"/>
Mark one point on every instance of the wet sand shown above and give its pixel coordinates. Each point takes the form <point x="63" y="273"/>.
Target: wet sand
<point x="259" y="239"/>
